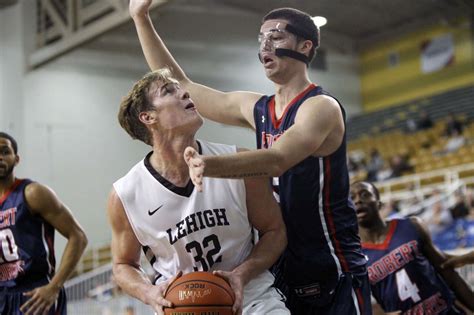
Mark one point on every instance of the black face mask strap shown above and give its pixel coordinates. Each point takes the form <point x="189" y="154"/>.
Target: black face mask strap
<point x="283" y="52"/>
<point x="291" y="53"/>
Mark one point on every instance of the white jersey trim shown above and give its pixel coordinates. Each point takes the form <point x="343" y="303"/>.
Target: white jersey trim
<point x="46" y="248"/>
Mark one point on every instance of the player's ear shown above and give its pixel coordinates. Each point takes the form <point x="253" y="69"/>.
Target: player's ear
<point x="17" y="159"/>
<point x="147" y="117"/>
<point x="380" y="204"/>
<point x="306" y="46"/>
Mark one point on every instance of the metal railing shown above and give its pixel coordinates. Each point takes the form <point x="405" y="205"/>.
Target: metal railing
<point x="415" y="185"/>
<point x="95" y="292"/>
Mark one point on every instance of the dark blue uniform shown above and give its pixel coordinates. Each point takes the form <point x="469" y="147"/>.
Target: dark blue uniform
<point x="26" y="252"/>
<point x="401" y="277"/>
<point x="323" y="269"/>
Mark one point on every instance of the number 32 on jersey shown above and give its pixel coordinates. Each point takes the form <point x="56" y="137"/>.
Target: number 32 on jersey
<point x="206" y="253"/>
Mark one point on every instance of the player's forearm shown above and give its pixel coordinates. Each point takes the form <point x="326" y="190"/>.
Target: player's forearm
<point x="259" y="163"/>
<point x="468" y="258"/>
<point x="75" y="246"/>
<point x="155" y="51"/>
<point x="133" y="281"/>
<point x="460" y="288"/>
<point x="265" y="253"/>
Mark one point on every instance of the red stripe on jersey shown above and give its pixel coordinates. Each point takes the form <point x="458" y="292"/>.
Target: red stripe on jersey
<point x="327" y="208"/>
<point x="271" y="106"/>
<point x="10" y="190"/>
<point x="358" y="292"/>
<point x="386" y="242"/>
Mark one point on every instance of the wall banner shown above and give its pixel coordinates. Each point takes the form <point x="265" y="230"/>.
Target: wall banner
<point x="437" y="53"/>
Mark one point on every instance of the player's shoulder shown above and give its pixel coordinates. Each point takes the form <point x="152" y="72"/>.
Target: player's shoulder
<point x="415" y="221"/>
<point x="419" y="226"/>
<point x="410" y="222"/>
<point x="320" y="108"/>
<point x="323" y="100"/>
<point x="40" y="198"/>
<point x="35" y="190"/>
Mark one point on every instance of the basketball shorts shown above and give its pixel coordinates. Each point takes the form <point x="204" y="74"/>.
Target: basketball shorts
<point x="351" y="296"/>
<point x="260" y="297"/>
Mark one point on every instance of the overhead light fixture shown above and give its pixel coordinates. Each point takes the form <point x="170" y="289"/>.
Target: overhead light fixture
<point x="319" y="20"/>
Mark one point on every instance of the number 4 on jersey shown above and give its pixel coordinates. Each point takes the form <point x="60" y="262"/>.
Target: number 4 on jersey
<point x="406" y="288"/>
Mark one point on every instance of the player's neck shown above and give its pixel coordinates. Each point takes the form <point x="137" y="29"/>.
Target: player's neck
<point x="376" y="233"/>
<point x="287" y="90"/>
<point x="6" y="184"/>
<point x="167" y="159"/>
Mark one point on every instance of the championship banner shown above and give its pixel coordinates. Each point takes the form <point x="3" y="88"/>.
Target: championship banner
<point x="437" y="53"/>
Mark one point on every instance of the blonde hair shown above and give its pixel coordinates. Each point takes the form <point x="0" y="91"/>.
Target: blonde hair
<point x="138" y="101"/>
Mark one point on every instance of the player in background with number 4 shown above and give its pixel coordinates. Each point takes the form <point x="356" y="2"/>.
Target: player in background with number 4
<point x="156" y="207"/>
<point x="405" y="271"/>
<point x="29" y="214"/>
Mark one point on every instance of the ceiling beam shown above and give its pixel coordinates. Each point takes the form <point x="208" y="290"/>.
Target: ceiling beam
<point x="80" y="34"/>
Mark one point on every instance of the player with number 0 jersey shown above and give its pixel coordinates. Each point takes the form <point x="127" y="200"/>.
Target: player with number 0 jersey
<point x="29" y="215"/>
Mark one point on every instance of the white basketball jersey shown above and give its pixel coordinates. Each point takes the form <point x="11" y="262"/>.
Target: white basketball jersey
<point x="182" y="229"/>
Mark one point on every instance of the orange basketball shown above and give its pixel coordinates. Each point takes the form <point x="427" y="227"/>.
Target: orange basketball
<point x="199" y="293"/>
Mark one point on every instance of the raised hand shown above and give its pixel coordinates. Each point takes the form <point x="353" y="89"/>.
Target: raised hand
<point x="196" y="166"/>
<point x="139" y="7"/>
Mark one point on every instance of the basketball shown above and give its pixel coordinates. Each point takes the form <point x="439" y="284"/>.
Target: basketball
<point x="200" y="293"/>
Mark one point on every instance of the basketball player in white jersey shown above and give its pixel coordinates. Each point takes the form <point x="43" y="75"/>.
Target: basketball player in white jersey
<point x="156" y="207"/>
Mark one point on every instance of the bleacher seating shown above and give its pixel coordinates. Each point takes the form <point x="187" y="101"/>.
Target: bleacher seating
<point x="419" y="146"/>
<point x="458" y="235"/>
<point x="459" y="102"/>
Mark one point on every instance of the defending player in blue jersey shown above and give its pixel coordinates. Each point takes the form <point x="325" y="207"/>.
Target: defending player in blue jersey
<point x="29" y="214"/>
<point x="302" y="129"/>
<point x="404" y="266"/>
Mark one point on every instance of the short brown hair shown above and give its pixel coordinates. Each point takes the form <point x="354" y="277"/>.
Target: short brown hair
<point x="138" y="101"/>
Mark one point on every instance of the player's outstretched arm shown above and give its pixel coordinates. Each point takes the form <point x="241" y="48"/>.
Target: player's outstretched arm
<point x="459" y="261"/>
<point x="461" y="289"/>
<point x="233" y="108"/>
<point x="126" y="260"/>
<point x="44" y="202"/>
<point x="314" y="122"/>
<point x="265" y="215"/>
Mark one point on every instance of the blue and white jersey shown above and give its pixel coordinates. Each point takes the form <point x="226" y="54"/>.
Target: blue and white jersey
<point x="323" y="239"/>
<point x="27" y="243"/>
<point x="401" y="277"/>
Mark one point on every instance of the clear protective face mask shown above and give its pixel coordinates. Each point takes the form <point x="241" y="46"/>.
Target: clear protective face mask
<point x="274" y="38"/>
